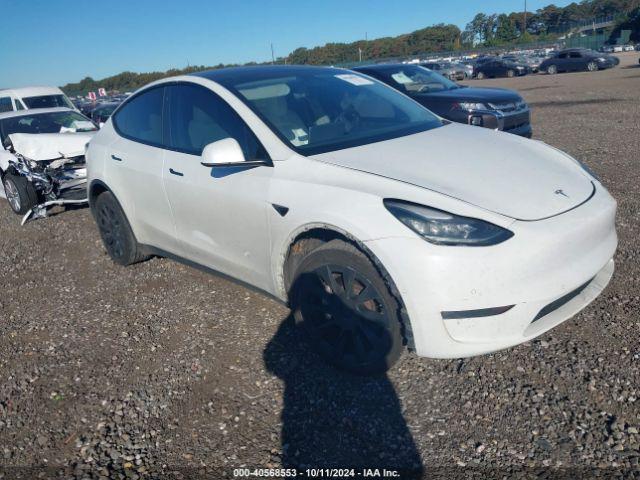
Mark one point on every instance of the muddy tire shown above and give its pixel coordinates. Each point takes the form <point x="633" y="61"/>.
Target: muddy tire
<point x="117" y="237"/>
<point x="20" y="193"/>
<point x="347" y="310"/>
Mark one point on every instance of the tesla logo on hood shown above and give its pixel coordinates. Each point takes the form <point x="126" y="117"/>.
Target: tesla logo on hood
<point x="561" y="192"/>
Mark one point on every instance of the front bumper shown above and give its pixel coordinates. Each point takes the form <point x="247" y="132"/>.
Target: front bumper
<point x="550" y="270"/>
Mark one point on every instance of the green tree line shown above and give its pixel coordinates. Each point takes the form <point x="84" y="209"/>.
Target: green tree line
<point x="484" y="30"/>
<point x="494" y="30"/>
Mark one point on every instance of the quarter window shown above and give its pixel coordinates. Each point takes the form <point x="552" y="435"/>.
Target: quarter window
<point x="198" y="117"/>
<point x="140" y="119"/>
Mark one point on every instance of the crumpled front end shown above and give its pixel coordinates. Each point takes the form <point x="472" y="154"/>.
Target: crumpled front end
<point x="62" y="178"/>
<point x="54" y="165"/>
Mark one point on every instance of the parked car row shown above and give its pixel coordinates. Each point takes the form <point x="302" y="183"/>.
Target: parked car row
<point x="519" y="64"/>
<point x="369" y="215"/>
<point x="619" y="48"/>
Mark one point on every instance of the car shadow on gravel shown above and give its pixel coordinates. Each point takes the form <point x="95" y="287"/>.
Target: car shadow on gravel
<point x="332" y="419"/>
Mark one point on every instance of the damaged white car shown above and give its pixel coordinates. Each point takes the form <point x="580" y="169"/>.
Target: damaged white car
<point x="42" y="160"/>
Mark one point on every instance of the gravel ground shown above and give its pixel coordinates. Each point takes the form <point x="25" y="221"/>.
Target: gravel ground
<point x="162" y="371"/>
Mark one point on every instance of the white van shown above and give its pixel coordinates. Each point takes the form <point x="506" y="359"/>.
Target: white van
<point x="26" y="98"/>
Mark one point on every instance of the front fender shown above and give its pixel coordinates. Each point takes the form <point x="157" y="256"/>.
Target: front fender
<point x="5" y="159"/>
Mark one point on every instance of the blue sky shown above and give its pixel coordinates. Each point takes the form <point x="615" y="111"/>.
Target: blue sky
<point x="58" y="41"/>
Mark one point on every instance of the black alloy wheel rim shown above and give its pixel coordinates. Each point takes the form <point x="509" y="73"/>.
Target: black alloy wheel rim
<point x="346" y="316"/>
<point x="112" y="230"/>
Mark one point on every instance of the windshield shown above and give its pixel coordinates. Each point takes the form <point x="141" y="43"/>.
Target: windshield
<point x="56" y="122"/>
<point x="412" y="79"/>
<point x="47" y="101"/>
<point x="318" y="111"/>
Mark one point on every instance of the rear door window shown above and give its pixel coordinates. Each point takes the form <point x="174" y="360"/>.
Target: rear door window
<point x="6" y="105"/>
<point x="140" y="119"/>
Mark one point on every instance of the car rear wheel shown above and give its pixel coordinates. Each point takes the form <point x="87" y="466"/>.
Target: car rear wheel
<point x="344" y="305"/>
<point x="480" y="75"/>
<point x="552" y="69"/>
<point x="592" y="66"/>
<point x="117" y="237"/>
<point x="20" y="193"/>
<point x="511" y="73"/>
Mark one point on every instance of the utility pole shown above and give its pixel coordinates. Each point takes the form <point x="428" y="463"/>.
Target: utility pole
<point x="366" y="39"/>
<point x="273" y="58"/>
<point x="524" y="29"/>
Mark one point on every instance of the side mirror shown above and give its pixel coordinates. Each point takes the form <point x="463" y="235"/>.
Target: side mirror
<point x="227" y="153"/>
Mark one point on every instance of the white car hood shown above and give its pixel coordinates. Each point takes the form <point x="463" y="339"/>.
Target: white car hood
<point x="506" y="174"/>
<point x="50" y="146"/>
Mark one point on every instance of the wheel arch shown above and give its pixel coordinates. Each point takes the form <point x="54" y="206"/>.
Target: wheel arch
<point x="307" y="238"/>
<point x="96" y="188"/>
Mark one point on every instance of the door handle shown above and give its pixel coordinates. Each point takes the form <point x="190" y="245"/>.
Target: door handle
<point x="117" y="159"/>
<point x="175" y="172"/>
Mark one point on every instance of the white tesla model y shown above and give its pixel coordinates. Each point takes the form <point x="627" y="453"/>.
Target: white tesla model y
<point x="382" y="225"/>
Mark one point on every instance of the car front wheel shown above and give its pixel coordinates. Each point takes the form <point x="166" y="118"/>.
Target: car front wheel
<point x="20" y="193"/>
<point x="345" y="306"/>
<point x="117" y="237"/>
<point x="480" y="76"/>
<point x="592" y="66"/>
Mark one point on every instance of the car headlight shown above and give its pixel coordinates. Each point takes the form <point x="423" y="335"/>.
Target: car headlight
<point x="442" y="228"/>
<point x="470" y="106"/>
